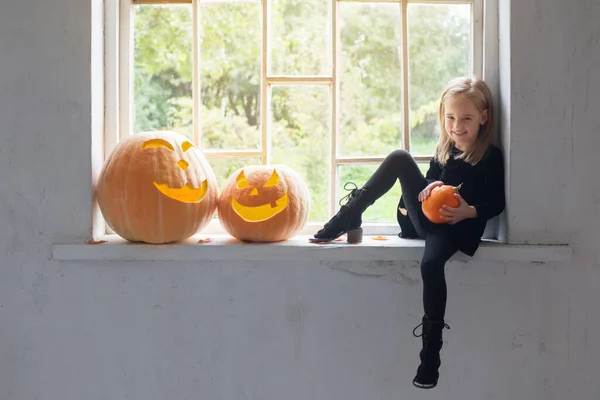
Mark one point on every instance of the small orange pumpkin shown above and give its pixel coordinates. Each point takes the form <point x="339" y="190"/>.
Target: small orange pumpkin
<point x="440" y="196"/>
<point x="156" y="187"/>
<point x="264" y="203"/>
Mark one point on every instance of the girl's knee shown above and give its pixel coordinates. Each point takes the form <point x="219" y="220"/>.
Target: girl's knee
<point x="399" y="156"/>
<point x="399" y="153"/>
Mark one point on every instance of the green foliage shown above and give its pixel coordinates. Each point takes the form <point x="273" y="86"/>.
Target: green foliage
<point x="300" y="126"/>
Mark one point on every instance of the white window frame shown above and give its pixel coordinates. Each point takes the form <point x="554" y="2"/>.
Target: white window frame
<point x="119" y="88"/>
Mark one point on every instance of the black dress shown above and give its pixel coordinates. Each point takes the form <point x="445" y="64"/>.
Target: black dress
<point x="482" y="187"/>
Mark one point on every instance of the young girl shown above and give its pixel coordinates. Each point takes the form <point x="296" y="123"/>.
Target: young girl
<point x="464" y="155"/>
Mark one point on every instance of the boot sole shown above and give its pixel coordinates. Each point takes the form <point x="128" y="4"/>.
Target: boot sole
<point x="424" y="386"/>
<point x="353" y="236"/>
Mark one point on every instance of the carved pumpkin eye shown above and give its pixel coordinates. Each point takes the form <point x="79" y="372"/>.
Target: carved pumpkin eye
<point x="186" y="146"/>
<point x="149" y="144"/>
<point x="273" y="180"/>
<point x="241" y="182"/>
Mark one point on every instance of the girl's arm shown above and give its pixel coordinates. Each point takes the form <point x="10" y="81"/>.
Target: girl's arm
<point x="493" y="201"/>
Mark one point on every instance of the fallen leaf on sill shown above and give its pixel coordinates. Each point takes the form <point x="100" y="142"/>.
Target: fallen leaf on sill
<point x="207" y="240"/>
<point x="95" y="241"/>
<point x="379" y="238"/>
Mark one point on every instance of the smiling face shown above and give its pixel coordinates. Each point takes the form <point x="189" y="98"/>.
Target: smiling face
<point x="186" y="193"/>
<point x="271" y="201"/>
<point x="156" y="187"/>
<point x="462" y="121"/>
<point x="264" y="203"/>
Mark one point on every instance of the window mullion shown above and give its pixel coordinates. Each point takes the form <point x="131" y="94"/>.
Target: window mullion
<point x="111" y="77"/>
<point x="299" y="80"/>
<point x="126" y="98"/>
<point x="405" y="99"/>
<point x="196" y="65"/>
<point x="335" y="113"/>
<point x="477" y="38"/>
<point x="265" y="88"/>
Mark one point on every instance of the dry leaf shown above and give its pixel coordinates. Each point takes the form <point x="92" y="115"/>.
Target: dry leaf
<point x="379" y="238"/>
<point x="207" y="240"/>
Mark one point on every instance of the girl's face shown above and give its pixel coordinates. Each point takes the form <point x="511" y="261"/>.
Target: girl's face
<point x="462" y="121"/>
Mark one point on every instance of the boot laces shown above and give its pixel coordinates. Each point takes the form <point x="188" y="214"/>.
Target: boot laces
<point x="353" y="193"/>
<point x="422" y="326"/>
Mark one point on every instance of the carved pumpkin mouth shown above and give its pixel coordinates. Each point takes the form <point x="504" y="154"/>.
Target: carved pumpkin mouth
<point x="186" y="194"/>
<point x="260" y="213"/>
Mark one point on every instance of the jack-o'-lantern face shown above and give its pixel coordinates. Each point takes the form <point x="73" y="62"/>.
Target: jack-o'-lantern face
<point x="264" y="203"/>
<point x="259" y="202"/>
<point x="186" y="193"/>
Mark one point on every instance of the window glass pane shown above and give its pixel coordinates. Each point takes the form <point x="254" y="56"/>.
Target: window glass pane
<point x="370" y="79"/>
<point x="384" y="209"/>
<point x="439" y="50"/>
<point x="300" y="133"/>
<point x="230" y="75"/>
<point x="300" y="37"/>
<point x="162" y="68"/>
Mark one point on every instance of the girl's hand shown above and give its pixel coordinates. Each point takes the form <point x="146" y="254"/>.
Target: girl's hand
<point x="427" y="191"/>
<point x="457" y="214"/>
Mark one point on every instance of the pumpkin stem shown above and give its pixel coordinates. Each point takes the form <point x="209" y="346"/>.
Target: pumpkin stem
<point x="456" y="189"/>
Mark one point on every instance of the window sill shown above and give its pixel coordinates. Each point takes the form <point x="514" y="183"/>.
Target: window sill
<point x="226" y="248"/>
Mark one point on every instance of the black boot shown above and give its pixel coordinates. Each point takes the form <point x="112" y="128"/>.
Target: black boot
<point x="431" y="335"/>
<point x="348" y="218"/>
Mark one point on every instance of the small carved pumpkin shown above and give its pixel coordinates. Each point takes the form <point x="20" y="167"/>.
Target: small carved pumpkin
<point x="440" y="196"/>
<point x="264" y="203"/>
<point x="156" y="187"/>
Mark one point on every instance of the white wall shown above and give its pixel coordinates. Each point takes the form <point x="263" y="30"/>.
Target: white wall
<point x="554" y="62"/>
<point x="73" y="331"/>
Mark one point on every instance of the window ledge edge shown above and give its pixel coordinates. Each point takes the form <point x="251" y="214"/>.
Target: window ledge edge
<point x="226" y="248"/>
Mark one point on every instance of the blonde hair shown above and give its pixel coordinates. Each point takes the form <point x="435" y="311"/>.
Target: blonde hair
<point x="479" y="93"/>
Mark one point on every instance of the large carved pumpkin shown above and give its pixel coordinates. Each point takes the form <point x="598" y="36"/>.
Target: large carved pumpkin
<point x="439" y="196"/>
<point x="264" y="203"/>
<point x="156" y="187"/>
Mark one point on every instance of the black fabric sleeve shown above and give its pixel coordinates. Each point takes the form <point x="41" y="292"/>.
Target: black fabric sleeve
<point x="434" y="173"/>
<point x="493" y="201"/>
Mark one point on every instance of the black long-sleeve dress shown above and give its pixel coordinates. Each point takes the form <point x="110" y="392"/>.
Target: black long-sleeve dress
<point x="482" y="187"/>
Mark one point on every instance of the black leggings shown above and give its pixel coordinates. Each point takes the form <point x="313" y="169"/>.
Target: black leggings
<point x="400" y="165"/>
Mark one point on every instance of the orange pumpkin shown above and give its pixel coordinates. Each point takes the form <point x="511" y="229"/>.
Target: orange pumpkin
<point x="156" y="187"/>
<point x="264" y="203"/>
<point x="440" y="196"/>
